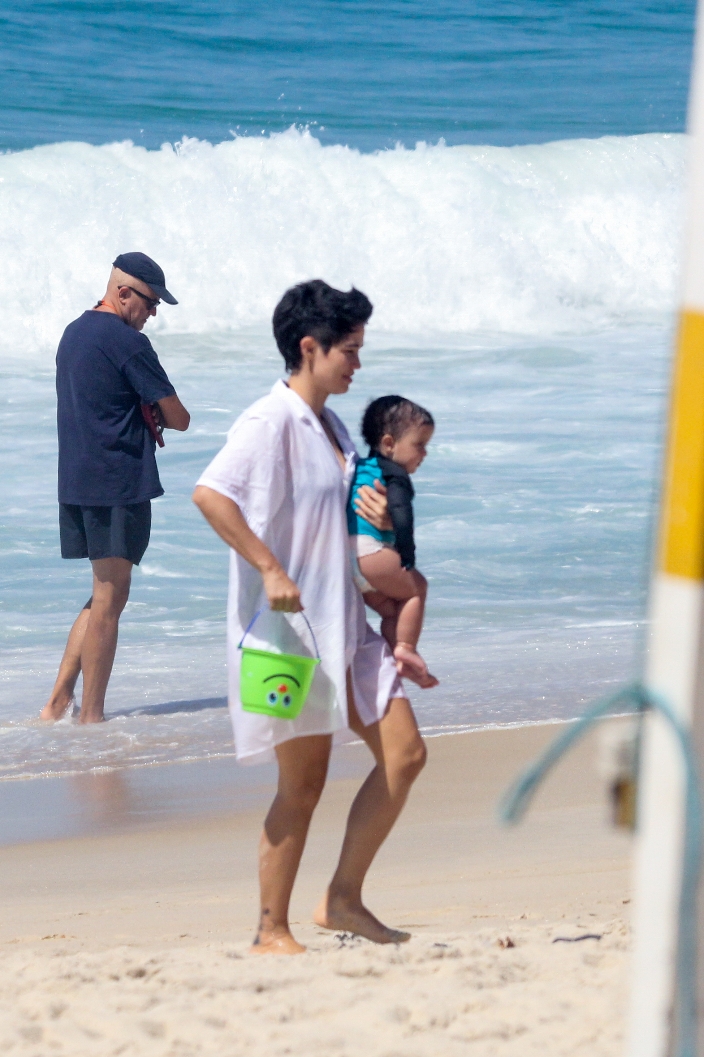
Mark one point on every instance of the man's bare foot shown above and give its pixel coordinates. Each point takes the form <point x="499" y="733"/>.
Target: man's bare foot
<point x="91" y="717"/>
<point x="57" y="707"/>
<point x="410" y="665"/>
<point x="275" y="941"/>
<point x="341" y="916"/>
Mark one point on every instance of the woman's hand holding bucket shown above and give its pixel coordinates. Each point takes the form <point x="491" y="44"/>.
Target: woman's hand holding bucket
<point x="281" y="592"/>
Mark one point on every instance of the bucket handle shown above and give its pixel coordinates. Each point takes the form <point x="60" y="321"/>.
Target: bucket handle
<point x="256" y="617"/>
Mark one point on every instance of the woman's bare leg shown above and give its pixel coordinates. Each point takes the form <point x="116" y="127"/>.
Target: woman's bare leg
<point x="400" y="755"/>
<point x="303" y="768"/>
<point x="69" y="669"/>
<point x="408" y="588"/>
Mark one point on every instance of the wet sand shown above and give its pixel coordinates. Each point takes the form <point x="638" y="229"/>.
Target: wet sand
<point x="134" y="941"/>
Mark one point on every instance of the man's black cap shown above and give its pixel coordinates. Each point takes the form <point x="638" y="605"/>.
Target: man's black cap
<point x="144" y="268"/>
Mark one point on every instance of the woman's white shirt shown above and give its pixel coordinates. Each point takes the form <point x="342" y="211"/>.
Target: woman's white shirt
<point x="280" y="468"/>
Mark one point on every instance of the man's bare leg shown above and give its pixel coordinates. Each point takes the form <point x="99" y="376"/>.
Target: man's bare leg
<point x="303" y="768"/>
<point x="69" y="669"/>
<point x="111" y="589"/>
<point x="92" y="642"/>
<point x="400" y="755"/>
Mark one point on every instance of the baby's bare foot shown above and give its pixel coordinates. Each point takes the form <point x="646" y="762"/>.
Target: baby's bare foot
<point x="406" y="672"/>
<point x="407" y="655"/>
<point x="340" y="915"/>
<point x="410" y="665"/>
<point x="276" y="941"/>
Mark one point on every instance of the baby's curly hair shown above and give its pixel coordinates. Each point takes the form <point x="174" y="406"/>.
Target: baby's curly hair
<point x="393" y="415"/>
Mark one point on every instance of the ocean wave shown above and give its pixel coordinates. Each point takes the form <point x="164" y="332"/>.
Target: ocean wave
<point x="564" y="236"/>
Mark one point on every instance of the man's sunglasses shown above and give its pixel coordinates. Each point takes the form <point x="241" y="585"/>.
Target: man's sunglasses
<point x="150" y="301"/>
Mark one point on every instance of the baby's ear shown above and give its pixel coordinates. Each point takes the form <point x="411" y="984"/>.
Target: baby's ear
<point x="386" y="444"/>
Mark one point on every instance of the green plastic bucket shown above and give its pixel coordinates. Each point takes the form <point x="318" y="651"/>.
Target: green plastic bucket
<point x="275" y="684"/>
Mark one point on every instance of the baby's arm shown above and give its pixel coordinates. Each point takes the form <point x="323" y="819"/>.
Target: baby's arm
<point x="399" y="493"/>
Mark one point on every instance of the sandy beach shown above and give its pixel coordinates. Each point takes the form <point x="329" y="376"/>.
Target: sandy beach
<point x="135" y="942"/>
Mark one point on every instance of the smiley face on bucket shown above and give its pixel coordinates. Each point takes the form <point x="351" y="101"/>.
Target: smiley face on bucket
<point x="275" y="684"/>
<point x="283" y="692"/>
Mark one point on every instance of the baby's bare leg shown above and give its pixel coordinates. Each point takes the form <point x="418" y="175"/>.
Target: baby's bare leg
<point x="408" y="588"/>
<point x="388" y="609"/>
<point x="391" y="581"/>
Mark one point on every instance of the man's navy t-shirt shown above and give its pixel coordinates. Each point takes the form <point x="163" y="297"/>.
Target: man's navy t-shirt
<point x="104" y="371"/>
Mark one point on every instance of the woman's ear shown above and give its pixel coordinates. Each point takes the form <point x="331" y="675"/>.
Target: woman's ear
<point x="387" y="445"/>
<point x="308" y="346"/>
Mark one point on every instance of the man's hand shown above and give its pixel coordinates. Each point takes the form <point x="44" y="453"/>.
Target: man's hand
<point x="157" y="415"/>
<point x="282" y="592"/>
<point x="371" y="504"/>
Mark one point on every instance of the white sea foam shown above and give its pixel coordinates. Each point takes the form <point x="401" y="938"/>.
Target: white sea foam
<point x="537" y="239"/>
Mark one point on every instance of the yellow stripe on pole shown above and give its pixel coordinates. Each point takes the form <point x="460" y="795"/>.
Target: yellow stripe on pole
<point x="682" y="525"/>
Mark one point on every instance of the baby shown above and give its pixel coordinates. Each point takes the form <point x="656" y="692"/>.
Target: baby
<point x="397" y="432"/>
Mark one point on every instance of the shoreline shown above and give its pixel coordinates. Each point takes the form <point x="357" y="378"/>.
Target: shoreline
<point x="438" y="731"/>
<point x="116" y="799"/>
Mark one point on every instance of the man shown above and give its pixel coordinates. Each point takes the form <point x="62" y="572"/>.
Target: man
<point x="106" y="371"/>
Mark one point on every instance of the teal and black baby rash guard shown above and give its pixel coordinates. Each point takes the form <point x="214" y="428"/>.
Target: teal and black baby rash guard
<point x="399" y="494"/>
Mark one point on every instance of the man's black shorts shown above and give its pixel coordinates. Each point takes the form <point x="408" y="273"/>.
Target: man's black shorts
<point x="105" y="531"/>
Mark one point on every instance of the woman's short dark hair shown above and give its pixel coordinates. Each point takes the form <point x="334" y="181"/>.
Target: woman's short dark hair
<point x="393" y="415"/>
<point x="316" y="310"/>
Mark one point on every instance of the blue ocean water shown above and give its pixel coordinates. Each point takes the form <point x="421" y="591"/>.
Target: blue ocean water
<point x="365" y="74"/>
<point x="503" y="180"/>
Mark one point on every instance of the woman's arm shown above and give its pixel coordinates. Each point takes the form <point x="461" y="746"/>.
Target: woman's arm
<point x="226" y="518"/>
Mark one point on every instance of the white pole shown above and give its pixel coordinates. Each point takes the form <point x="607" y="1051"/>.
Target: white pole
<point x="674" y="668"/>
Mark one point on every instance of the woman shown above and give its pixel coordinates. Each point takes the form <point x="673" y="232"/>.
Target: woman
<point x="276" y="495"/>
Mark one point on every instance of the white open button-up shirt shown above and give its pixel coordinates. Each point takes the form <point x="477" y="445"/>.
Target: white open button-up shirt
<point x="281" y="470"/>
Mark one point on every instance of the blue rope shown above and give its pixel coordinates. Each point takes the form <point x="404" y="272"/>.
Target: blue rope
<point x="256" y="617"/>
<point x="516" y="801"/>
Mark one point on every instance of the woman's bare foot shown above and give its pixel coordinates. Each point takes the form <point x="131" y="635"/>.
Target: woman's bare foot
<point x="410" y="665"/>
<point x="275" y="941"/>
<point x="57" y="706"/>
<point x="342" y="916"/>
